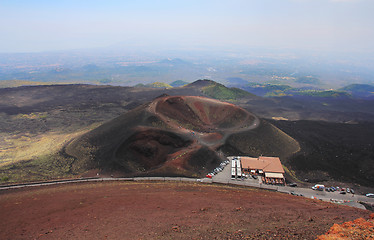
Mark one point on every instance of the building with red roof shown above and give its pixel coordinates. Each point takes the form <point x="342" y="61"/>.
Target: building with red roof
<point x="269" y="168"/>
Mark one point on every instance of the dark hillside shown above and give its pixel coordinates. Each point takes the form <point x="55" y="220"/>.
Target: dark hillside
<point x="102" y="142"/>
<point x="43" y="98"/>
<point x="360" y="90"/>
<point x="338" y="151"/>
<point x="265" y="140"/>
<point x="309" y="108"/>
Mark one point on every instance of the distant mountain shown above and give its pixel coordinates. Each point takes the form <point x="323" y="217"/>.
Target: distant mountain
<point x="178" y="83"/>
<point x="360" y="90"/>
<point x="174" y="61"/>
<point x="218" y="91"/>
<point x="201" y="83"/>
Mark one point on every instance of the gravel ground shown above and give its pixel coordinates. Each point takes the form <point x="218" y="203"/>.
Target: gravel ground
<point x="164" y="210"/>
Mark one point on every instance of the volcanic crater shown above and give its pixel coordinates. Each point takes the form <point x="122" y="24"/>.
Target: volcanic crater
<point x="203" y="114"/>
<point x="177" y="136"/>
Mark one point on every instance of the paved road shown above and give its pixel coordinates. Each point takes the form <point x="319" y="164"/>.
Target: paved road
<point x="336" y="197"/>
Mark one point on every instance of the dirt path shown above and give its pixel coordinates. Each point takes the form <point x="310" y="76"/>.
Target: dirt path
<point x="159" y="210"/>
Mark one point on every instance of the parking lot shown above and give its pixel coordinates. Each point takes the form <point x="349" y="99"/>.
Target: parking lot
<point x="346" y="199"/>
<point x="225" y="176"/>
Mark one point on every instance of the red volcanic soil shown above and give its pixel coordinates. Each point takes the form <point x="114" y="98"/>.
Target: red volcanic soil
<point x="357" y="229"/>
<point x="203" y="114"/>
<point x="164" y="210"/>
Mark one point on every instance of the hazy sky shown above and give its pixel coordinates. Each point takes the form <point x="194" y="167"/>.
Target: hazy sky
<point x="39" y="25"/>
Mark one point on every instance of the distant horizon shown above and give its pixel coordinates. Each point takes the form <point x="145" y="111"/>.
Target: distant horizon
<point x="153" y="48"/>
<point x="337" y="26"/>
<point x="164" y="52"/>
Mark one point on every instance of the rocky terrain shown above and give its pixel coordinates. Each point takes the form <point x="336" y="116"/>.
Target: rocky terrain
<point x="39" y="124"/>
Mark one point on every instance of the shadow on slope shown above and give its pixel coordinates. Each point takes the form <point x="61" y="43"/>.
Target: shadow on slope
<point x="266" y="140"/>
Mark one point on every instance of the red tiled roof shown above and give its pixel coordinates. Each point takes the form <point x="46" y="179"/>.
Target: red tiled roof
<point x="266" y="164"/>
<point x="252" y="163"/>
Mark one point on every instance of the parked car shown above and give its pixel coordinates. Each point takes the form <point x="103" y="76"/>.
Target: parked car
<point x="370" y="195"/>
<point x="342" y="192"/>
<point x="348" y="190"/>
<point x="352" y="191"/>
<point x="292" y="184"/>
<point x="254" y="176"/>
<point x="318" y="187"/>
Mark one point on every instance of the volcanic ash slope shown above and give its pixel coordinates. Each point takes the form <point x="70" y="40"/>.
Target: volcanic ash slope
<point x="177" y="136"/>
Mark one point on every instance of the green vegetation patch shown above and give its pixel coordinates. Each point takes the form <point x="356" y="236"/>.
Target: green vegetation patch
<point x="159" y="85"/>
<point x="323" y="94"/>
<point x="219" y="91"/>
<point x="18" y="83"/>
<point x="47" y="167"/>
<point x="277" y="93"/>
<point x="277" y="87"/>
<point x="153" y="85"/>
<point x="279" y="90"/>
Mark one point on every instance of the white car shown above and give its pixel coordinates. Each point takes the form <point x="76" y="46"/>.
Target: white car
<point x="370" y="195"/>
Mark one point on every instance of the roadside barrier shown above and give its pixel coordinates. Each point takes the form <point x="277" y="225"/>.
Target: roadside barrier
<point x="97" y="179"/>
